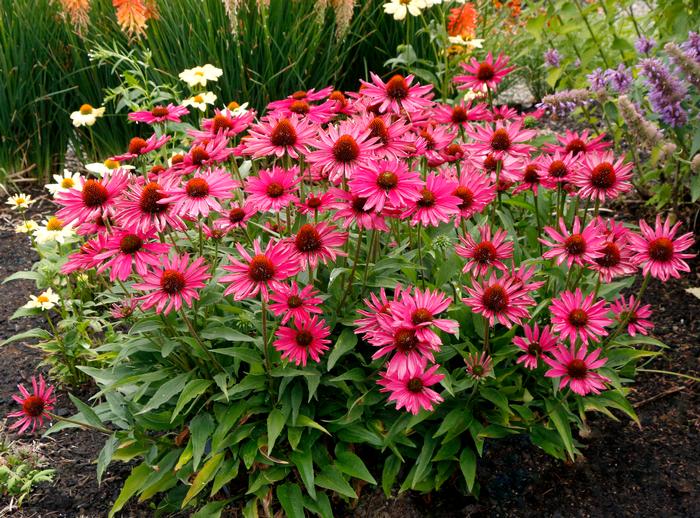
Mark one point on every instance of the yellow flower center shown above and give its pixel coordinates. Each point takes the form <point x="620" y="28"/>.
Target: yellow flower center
<point x="199" y="73"/>
<point x="111" y="164"/>
<point x="43" y="299"/>
<point x="54" y="224"/>
<point x="198" y="99"/>
<point x="20" y="201"/>
<point x="67" y="183"/>
<point x="86" y="109"/>
<point x="233" y="105"/>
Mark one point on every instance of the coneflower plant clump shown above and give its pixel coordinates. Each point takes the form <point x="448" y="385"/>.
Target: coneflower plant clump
<point x="349" y="288"/>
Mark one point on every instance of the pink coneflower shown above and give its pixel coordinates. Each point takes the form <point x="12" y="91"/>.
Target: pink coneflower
<point x="376" y="317"/>
<point x="408" y="350"/>
<point x="139" y="146"/>
<point x="616" y="257"/>
<point x="293" y="303"/>
<point x="576" y="247"/>
<point x="316" y="113"/>
<point x="475" y="192"/>
<point x="600" y="177"/>
<point x="125" y="251"/>
<point x="506" y="167"/>
<point x="530" y="176"/>
<point x="410" y="390"/>
<point x="574" y="144"/>
<point x="501" y="140"/>
<point x="261" y="273"/>
<point x="575" y="316"/>
<point x="499" y="299"/>
<point x="276" y="136"/>
<point x="534" y="344"/>
<point x="306" y="338"/>
<point x="485" y="75"/>
<point x="35" y="406"/>
<point x="351" y="208"/>
<point x="273" y="189"/>
<point x="659" y="252"/>
<point x="479" y="366"/>
<point x="418" y="310"/>
<point x="301" y="95"/>
<point x="86" y="256"/>
<point x="575" y="368"/>
<point x="316" y="203"/>
<point x="397" y="94"/>
<point x="203" y="155"/>
<point x="487" y="252"/>
<point x="123" y="309"/>
<point x="93" y="199"/>
<point x="521" y="276"/>
<point x="341" y="150"/>
<point x="225" y="123"/>
<point x="236" y="217"/>
<point x="634" y="315"/>
<point x="502" y="113"/>
<point x="140" y="206"/>
<point x="557" y="168"/>
<point x="460" y="115"/>
<point x="175" y="282"/>
<point x="386" y="182"/>
<point x="314" y="243"/>
<point x="436" y="204"/>
<point x="390" y="134"/>
<point x="198" y="195"/>
<point x="159" y="114"/>
<point x="435" y="138"/>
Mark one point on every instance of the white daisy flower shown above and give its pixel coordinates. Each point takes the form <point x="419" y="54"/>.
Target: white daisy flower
<point x="64" y="182"/>
<point x="27" y="227"/>
<point x="86" y="115"/>
<point x="234" y="109"/>
<point x="44" y="301"/>
<point x="200" y="101"/>
<point x="200" y="75"/>
<point x="53" y="229"/>
<point x="101" y="168"/>
<point x="400" y="8"/>
<point x="476" y="43"/>
<point x="20" y="201"/>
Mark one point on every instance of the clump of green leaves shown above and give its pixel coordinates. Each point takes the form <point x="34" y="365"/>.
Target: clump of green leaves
<point x="22" y="468"/>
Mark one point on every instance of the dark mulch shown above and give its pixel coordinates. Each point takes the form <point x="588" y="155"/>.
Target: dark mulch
<point x="626" y="471"/>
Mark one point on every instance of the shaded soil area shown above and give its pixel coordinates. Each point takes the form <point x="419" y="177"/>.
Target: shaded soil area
<point x="625" y="471"/>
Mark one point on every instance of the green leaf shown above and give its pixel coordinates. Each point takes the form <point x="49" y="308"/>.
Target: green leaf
<point x="467" y="463"/>
<point x="201" y="428"/>
<point x="275" y="423"/>
<point x="331" y="478"/>
<point x="245" y="354"/>
<point x="205" y="475"/>
<point x="304" y="463"/>
<point x="291" y="499"/>
<point x="212" y="509"/>
<point x="346" y="342"/>
<point x="165" y="392"/>
<point x="392" y="466"/>
<point x="303" y="420"/>
<point x="560" y="418"/>
<point x="87" y="412"/>
<point x="352" y="465"/>
<point x="226" y="333"/>
<point x="131" y="486"/>
<point x="105" y="456"/>
<point x="422" y="466"/>
<point x="41" y="334"/>
<point x="193" y="389"/>
<point x="497" y="399"/>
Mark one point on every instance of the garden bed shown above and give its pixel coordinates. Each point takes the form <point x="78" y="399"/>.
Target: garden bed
<point x="625" y="471"/>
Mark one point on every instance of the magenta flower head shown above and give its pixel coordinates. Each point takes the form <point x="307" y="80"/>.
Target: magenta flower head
<point x="159" y="114"/>
<point x="658" y="250"/>
<point x="386" y="182"/>
<point x="316" y="243"/>
<point x="419" y="310"/>
<point x="574" y="143"/>
<point x="580" y="246"/>
<point x="397" y="94"/>
<point x="411" y="389"/>
<point x="276" y="136"/>
<point x="305" y="339"/>
<point x="487" y="252"/>
<point x="485" y="75"/>
<point x="94" y="198"/>
<point x="200" y="194"/>
<point x="501" y="299"/>
<point x="436" y="204"/>
<point x="272" y="189"/>
<point x="292" y="302"/>
<point x="479" y="366"/>
<point x="574" y="316"/>
<point x="35" y="406"/>
<point x="576" y="369"/>
<point x="633" y="314"/>
<point x="601" y="177"/>
<point x="534" y="343"/>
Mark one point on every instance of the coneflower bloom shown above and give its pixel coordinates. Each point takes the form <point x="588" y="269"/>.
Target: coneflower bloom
<point x="124" y="251"/>
<point x="85" y="257"/>
<point x="616" y="256"/>
<point x="272" y="189"/>
<point x="159" y="114"/>
<point x="659" y="252"/>
<point x="314" y="243"/>
<point x="386" y="182"/>
<point x="436" y="204"/>
<point x="580" y="246"/>
<point x="479" y="366"/>
<point x="308" y="338"/>
<point x="529" y="176"/>
<point x="632" y="314"/>
<point x="419" y="310"/>
<point x="574" y="316"/>
<point x="92" y="199"/>
<point x="224" y="123"/>
<point x="501" y="140"/>
<point x="316" y="203"/>
<point x="203" y="155"/>
<point x="301" y="95"/>
<point x="376" y="317"/>
<point x="140" y="208"/>
<point x="435" y="139"/>
<point x="316" y="113"/>
<point x="409" y="351"/>
<point x="485" y="75"/>
<point x="139" y="147"/>
<point x="502" y="113"/>
<point x="499" y="299"/>
<point x="261" y="272"/>
<point x="350" y="209"/>
<point x="236" y="217"/>
<point x="341" y="150"/>
<point x="487" y="252"/>
<point x="460" y="115"/>
<point x="410" y="390"/>
<point x="198" y="195"/>
<point x="534" y="344"/>
<point x="601" y="177"/>
<point x="276" y="136"/>
<point x="557" y="168"/>
<point x="390" y="134"/>
<point x="397" y="94"/>
<point x="35" y="405"/>
<point x="574" y="143"/>
<point x="291" y="302"/>
<point x="576" y="369"/>
<point x="173" y="284"/>
<point x="475" y="191"/>
<point x="44" y="301"/>
<point x="86" y="115"/>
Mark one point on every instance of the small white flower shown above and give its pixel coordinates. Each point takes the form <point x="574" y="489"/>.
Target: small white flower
<point x="53" y="229"/>
<point x="107" y="166"/>
<point x="26" y="227"/>
<point x="44" y="301"/>
<point x="472" y="44"/>
<point x="200" y="75"/>
<point x="20" y="201"/>
<point x="86" y="115"/>
<point x="234" y="109"/>
<point x="400" y="8"/>
<point x="200" y="101"/>
<point x="64" y="182"/>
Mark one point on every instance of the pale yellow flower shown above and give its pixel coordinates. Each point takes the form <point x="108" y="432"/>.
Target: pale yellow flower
<point x="20" y="201"/>
<point x="44" y="301"/>
<point x="53" y="229"/>
<point x="200" y="101"/>
<point x="86" y="115"/>
<point x="198" y="76"/>
<point x="64" y="182"/>
<point x="27" y="227"/>
<point x="107" y="166"/>
<point x="400" y="8"/>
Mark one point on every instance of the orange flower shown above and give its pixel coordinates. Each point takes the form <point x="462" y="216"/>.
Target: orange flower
<point x="462" y="21"/>
<point x="77" y="12"/>
<point x="132" y="15"/>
